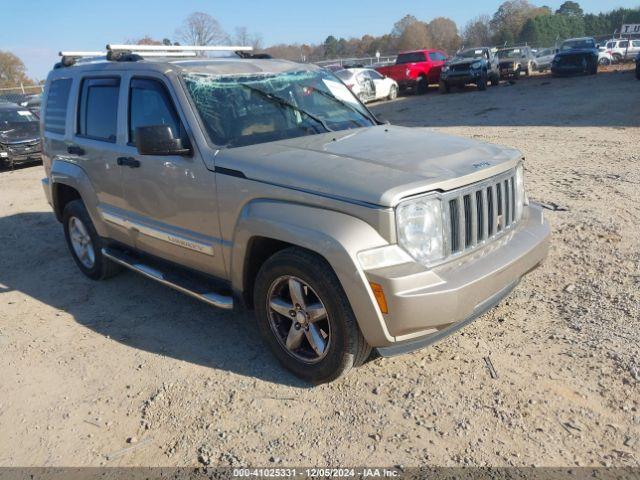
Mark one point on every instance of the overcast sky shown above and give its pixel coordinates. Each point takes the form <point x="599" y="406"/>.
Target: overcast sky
<point x="37" y="30"/>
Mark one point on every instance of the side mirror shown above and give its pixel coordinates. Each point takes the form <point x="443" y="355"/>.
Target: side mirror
<point x="159" y="140"/>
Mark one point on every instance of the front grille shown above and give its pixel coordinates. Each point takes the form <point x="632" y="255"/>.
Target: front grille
<point x="459" y="68"/>
<point x="506" y="65"/>
<point x="480" y="212"/>
<point x="571" y="60"/>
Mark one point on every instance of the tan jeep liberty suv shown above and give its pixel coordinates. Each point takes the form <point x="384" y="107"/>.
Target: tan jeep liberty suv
<point x="244" y="180"/>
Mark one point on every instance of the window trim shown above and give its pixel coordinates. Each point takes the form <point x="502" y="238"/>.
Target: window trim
<point x="81" y="97"/>
<point x="183" y="131"/>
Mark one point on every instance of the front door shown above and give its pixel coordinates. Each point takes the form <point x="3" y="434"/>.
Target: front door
<point x="171" y="200"/>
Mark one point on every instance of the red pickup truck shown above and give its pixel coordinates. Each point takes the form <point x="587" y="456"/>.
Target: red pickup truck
<point x="416" y="69"/>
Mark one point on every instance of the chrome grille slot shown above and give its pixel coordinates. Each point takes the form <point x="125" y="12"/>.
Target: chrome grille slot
<point x="479" y="213"/>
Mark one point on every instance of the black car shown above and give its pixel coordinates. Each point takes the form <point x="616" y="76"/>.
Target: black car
<point x="638" y="67"/>
<point x="471" y="66"/>
<point x="576" y="55"/>
<point x="19" y="135"/>
<point x="514" y="61"/>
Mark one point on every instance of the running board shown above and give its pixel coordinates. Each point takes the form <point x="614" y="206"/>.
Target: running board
<point x="177" y="280"/>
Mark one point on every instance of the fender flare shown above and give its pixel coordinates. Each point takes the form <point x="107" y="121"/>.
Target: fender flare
<point x="70" y="174"/>
<point x="335" y="236"/>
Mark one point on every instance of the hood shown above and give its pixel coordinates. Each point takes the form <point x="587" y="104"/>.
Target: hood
<point x="19" y="132"/>
<point x="377" y="165"/>
<point x="463" y="61"/>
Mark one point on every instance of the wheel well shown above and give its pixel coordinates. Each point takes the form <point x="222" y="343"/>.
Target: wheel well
<point x="258" y="251"/>
<point x="62" y="195"/>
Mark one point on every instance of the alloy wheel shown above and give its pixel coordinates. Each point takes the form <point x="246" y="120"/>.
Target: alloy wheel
<point x="81" y="242"/>
<point x="298" y="319"/>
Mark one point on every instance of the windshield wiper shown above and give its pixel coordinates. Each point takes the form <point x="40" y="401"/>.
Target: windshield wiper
<point x="344" y="104"/>
<point x="283" y="102"/>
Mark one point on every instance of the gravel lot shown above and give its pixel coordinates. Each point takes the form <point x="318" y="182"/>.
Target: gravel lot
<point x="128" y="372"/>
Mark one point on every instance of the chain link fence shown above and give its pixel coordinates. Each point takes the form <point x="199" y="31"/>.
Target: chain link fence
<point x="20" y="94"/>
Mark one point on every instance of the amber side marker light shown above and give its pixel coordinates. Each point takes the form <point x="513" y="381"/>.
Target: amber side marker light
<point x="378" y="292"/>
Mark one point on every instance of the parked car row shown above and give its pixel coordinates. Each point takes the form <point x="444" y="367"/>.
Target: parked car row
<point x="480" y="66"/>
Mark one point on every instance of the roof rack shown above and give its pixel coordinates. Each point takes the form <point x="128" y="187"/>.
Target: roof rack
<point x="125" y="52"/>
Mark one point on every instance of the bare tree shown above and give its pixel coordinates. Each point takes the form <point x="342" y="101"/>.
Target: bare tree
<point x="477" y="32"/>
<point x="201" y="29"/>
<point x="401" y="25"/>
<point x="243" y="38"/>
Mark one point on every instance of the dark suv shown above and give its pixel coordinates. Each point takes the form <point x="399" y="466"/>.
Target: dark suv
<point x="19" y="135"/>
<point x="472" y="66"/>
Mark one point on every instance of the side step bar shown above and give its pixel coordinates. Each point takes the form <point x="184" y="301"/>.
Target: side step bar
<point x="200" y="290"/>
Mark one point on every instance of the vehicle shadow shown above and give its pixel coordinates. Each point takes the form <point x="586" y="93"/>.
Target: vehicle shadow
<point x="129" y="308"/>
<point x="540" y="100"/>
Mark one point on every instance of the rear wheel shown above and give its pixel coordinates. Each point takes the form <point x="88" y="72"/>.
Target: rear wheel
<point x="305" y="317"/>
<point x="604" y="61"/>
<point x="495" y="80"/>
<point x="85" y="244"/>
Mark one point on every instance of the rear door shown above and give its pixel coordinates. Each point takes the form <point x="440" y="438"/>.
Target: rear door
<point x="170" y="200"/>
<point x="94" y="145"/>
<point x="380" y="83"/>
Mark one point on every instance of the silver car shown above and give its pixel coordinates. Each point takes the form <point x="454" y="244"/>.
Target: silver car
<point x="265" y="184"/>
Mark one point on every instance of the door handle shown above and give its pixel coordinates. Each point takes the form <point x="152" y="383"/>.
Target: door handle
<point x="128" y="162"/>
<point x="75" y="150"/>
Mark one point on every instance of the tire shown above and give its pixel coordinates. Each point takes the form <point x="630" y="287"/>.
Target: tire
<point x="617" y="58"/>
<point x="527" y="72"/>
<point x="604" y="61"/>
<point x="495" y="81"/>
<point x="638" y="72"/>
<point x="99" y="267"/>
<point x="393" y="93"/>
<point x="345" y="348"/>
<point x="444" y="87"/>
<point x="482" y="84"/>
<point x="422" y="86"/>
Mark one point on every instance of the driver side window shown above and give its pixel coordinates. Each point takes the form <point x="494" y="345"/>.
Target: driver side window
<point x="150" y="104"/>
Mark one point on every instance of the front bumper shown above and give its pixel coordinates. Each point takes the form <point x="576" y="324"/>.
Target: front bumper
<point x="426" y="305"/>
<point x="461" y="78"/>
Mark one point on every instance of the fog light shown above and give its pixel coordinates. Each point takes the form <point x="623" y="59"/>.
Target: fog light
<point x="378" y="292"/>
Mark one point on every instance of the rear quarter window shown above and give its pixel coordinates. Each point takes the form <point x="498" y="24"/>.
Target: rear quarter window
<point x="56" y="107"/>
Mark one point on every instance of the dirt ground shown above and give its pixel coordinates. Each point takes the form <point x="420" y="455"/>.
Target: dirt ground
<point x="128" y="372"/>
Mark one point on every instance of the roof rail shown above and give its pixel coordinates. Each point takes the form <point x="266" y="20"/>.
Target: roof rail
<point x="177" y="48"/>
<point x="133" y="53"/>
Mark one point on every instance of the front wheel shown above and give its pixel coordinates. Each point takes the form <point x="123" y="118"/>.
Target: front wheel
<point x="495" y="81"/>
<point x="444" y="87"/>
<point x="423" y="86"/>
<point x="482" y="83"/>
<point x="393" y="92"/>
<point x="604" y="61"/>
<point x="305" y="317"/>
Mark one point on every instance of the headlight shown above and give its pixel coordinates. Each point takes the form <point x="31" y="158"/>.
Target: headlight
<point x="476" y="65"/>
<point x="520" y="193"/>
<point x="420" y="229"/>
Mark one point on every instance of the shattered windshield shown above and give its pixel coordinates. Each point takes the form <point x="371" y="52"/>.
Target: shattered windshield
<point x="471" y="53"/>
<point x="510" y="53"/>
<point x="247" y="109"/>
<point x="9" y="117"/>
<point x="578" y="44"/>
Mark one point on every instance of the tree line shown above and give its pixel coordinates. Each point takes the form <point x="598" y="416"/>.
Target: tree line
<point x="514" y="22"/>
